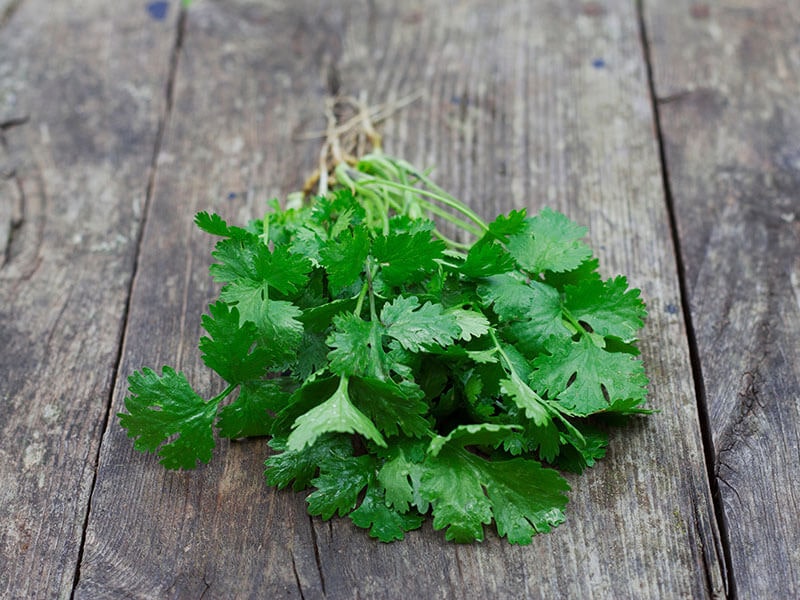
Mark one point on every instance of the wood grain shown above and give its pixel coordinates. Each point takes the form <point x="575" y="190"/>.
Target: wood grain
<point x="727" y="82"/>
<point x="523" y="106"/>
<point x="81" y="89"/>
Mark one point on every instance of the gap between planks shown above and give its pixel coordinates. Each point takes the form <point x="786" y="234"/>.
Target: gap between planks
<point x="163" y="122"/>
<point x="694" y="353"/>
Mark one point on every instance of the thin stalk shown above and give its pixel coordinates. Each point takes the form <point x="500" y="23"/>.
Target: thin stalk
<point x="224" y="394"/>
<point x="361" y="295"/>
<point x="449" y="202"/>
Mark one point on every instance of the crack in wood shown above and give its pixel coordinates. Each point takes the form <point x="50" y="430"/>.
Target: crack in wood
<point x="208" y="587"/>
<point x="297" y="577"/>
<point x="13" y="122"/>
<point x="708" y="567"/>
<point x="162" y="126"/>
<point x="722" y="538"/>
<point x="736" y="431"/>
<point x="317" y="557"/>
<point x="15" y="223"/>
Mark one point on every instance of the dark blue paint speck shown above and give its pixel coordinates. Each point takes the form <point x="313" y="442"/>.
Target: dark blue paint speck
<point x="598" y="63"/>
<point x="671" y="309"/>
<point x="158" y="10"/>
<point x="232" y="196"/>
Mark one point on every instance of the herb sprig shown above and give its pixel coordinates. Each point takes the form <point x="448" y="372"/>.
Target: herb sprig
<point x="402" y="372"/>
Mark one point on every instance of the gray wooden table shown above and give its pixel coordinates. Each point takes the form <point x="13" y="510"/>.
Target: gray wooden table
<point x="671" y="129"/>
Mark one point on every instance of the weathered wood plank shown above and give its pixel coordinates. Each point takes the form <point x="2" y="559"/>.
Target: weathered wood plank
<point x="525" y="106"/>
<point x="727" y="81"/>
<point x="89" y="78"/>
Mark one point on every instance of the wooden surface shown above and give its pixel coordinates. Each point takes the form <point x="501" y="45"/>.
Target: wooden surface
<point x="81" y="90"/>
<point x="670" y="129"/>
<point x="727" y="85"/>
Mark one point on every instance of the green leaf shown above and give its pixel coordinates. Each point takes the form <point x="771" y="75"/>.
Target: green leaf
<point x="406" y="258"/>
<point x="251" y="414"/>
<point x="339" y="484"/>
<point x="533" y="310"/>
<point x="329" y="210"/>
<point x="320" y="318"/>
<point x="467" y="491"/>
<point x="161" y="407"/>
<point x="352" y="343"/>
<point x="337" y="413"/>
<point x="301" y="466"/>
<point x="390" y="406"/>
<point x="277" y="325"/>
<point x="549" y="242"/>
<point x="487" y="257"/>
<point x="229" y="351"/>
<point x="576" y="457"/>
<point x="586" y="271"/>
<point x="212" y="223"/>
<point x="384" y="523"/>
<point x="507" y="225"/>
<point x="249" y="262"/>
<point x="471" y="323"/>
<point x="344" y="258"/>
<point x="544" y="434"/>
<point x="400" y="475"/>
<point x="609" y="307"/>
<point x="416" y="326"/>
<point x="581" y="375"/>
<point x="311" y="357"/>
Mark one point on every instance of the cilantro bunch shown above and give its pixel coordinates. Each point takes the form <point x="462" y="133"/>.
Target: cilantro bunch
<point x="399" y="372"/>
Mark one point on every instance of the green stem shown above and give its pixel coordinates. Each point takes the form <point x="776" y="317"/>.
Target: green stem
<point x="551" y="407"/>
<point x="224" y="394"/>
<point x="367" y="287"/>
<point x="460" y="223"/>
<point x="447" y="201"/>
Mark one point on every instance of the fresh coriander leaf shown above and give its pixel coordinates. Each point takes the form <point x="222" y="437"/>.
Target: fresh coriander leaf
<point x="311" y="357"/>
<point x="276" y="321"/>
<point x="161" y="407"/>
<point x="485" y="258"/>
<point x="533" y="310"/>
<point x="586" y="271"/>
<point x="229" y="351"/>
<point x="250" y="261"/>
<point x="301" y="466"/>
<point x="251" y="414"/>
<point x="215" y="225"/>
<point x="466" y="491"/>
<point x="577" y="457"/>
<point x="400" y="475"/>
<point x="507" y="225"/>
<point x="549" y="242"/>
<point x="546" y="435"/>
<point x="304" y="398"/>
<point x="390" y="406"/>
<point x="329" y="210"/>
<point x="337" y="413"/>
<point x="406" y="258"/>
<point x="306" y="241"/>
<point x="609" y="307"/>
<point x="472" y="324"/>
<point x="353" y="341"/>
<point x="385" y="523"/>
<point x="236" y="259"/>
<point x="472" y="359"/>
<point x="319" y="319"/>
<point x="339" y="484"/>
<point x="587" y="379"/>
<point x="416" y="326"/>
<point x="344" y="258"/>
